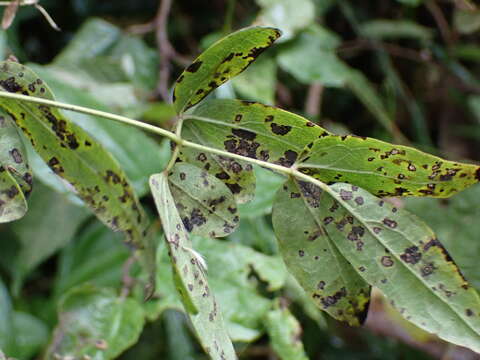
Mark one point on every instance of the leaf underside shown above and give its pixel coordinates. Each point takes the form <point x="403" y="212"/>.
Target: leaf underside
<point x="312" y="257"/>
<point x="205" y="204"/>
<point x="190" y="276"/>
<point x="396" y="252"/>
<point x="15" y="175"/>
<point x="222" y="61"/>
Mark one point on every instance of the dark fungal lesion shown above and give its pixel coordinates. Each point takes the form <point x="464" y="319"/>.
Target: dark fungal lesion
<point x="193" y="68"/>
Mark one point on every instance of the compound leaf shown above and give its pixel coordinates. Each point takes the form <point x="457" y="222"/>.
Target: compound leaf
<point x="385" y="169"/>
<point x="205" y="203"/>
<point x="313" y="258"/>
<point x="222" y="61"/>
<point x="190" y="277"/>
<point x="399" y="254"/>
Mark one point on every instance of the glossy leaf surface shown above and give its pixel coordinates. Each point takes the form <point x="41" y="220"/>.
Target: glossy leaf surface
<point x="189" y="273"/>
<point x="205" y="203"/>
<point x="223" y="60"/>
<point x="312" y="256"/>
<point x="385" y="169"/>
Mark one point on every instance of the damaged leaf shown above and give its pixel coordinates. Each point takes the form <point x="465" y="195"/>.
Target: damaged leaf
<point x="222" y="61"/>
<point x="15" y="176"/>
<point x="252" y="129"/>
<point x="189" y="272"/>
<point x="399" y="254"/>
<point x="205" y="204"/>
<point x="74" y="155"/>
<point x="312" y="256"/>
<point x="385" y="169"/>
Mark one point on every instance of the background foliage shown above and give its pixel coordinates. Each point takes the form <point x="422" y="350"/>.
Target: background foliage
<point x="401" y="71"/>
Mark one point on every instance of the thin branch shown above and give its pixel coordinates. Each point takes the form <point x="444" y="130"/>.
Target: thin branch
<point x="164" y="48"/>
<point x="442" y="23"/>
<point x="314" y="99"/>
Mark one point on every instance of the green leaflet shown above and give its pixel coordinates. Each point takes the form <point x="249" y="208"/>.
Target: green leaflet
<point x="312" y="257"/>
<point x="12" y="201"/>
<point x="73" y="154"/>
<point x="95" y="323"/>
<point x="222" y="61"/>
<point x="190" y="277"/>
<point x="15" y="175"/>
<point x="238" y="176"/>
<point x="385" y="169"/>
<point x="253" y="129"/>
<point x="396" y="252"/>
<point x="284" y="332"/>
<point x="205" y="204"/>
<point x="12" y="153"/>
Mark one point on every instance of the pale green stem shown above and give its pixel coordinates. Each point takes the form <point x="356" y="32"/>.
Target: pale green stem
<point x="170" y="135"/>
<point x="176" y="151"/>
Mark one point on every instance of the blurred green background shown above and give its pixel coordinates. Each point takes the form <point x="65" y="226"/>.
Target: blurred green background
<point x="405" y="71"/>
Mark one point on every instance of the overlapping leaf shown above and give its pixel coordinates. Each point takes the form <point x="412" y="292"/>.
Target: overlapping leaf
<point x="396" y="252"/>
<point x="15" y="175"/>
<point x="385" y="169"/>
<point x="223" y="60"/>
<point x="190" y="276"/>
<point x="205" y="204"/>
<point x="95" y="323"/>
<point x="284" y="331"/>
<point x="312" y="257"/>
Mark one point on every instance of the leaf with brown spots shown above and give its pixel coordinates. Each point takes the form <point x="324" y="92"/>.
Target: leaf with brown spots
<point x="13" y="205"/>
<point x="252" y="129"/>
<point x="398" y="253"/>
<point x="222" y="61"/>
<point x="205" y="204"/>
<point x="313" y="258"/>
<point x="238" y="176"/>
<point x="15" y="175"/>
<point x="77" y="157"/>
<point x="385" y="169"/>
<point x="190" y="275"/>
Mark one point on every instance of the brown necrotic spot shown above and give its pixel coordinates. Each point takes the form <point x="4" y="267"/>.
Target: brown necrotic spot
<point x="359" y="200"/>
<point x="16" y="156"/>
<point x="194" y="67"/>
<point x="427" y="269"/>
<point x="346" y="195"/>
<point x="386" y="261"/>
<point x="477" y="174"/>
<point x="244" y="134"/>
<point x="228" y="58"/>
<point x="280" y="129"/>
<point x="469" y="312"/>
<point x="411" y="255"/>
<point x="238" y="117"/>
<point x="332" y="300"/>
<point x="11" y="85"/>
<point x="234" y="188"/>
<point x="269" y="118"/>
<point x="288" y="159"/>
<point x="390" y="223"/>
